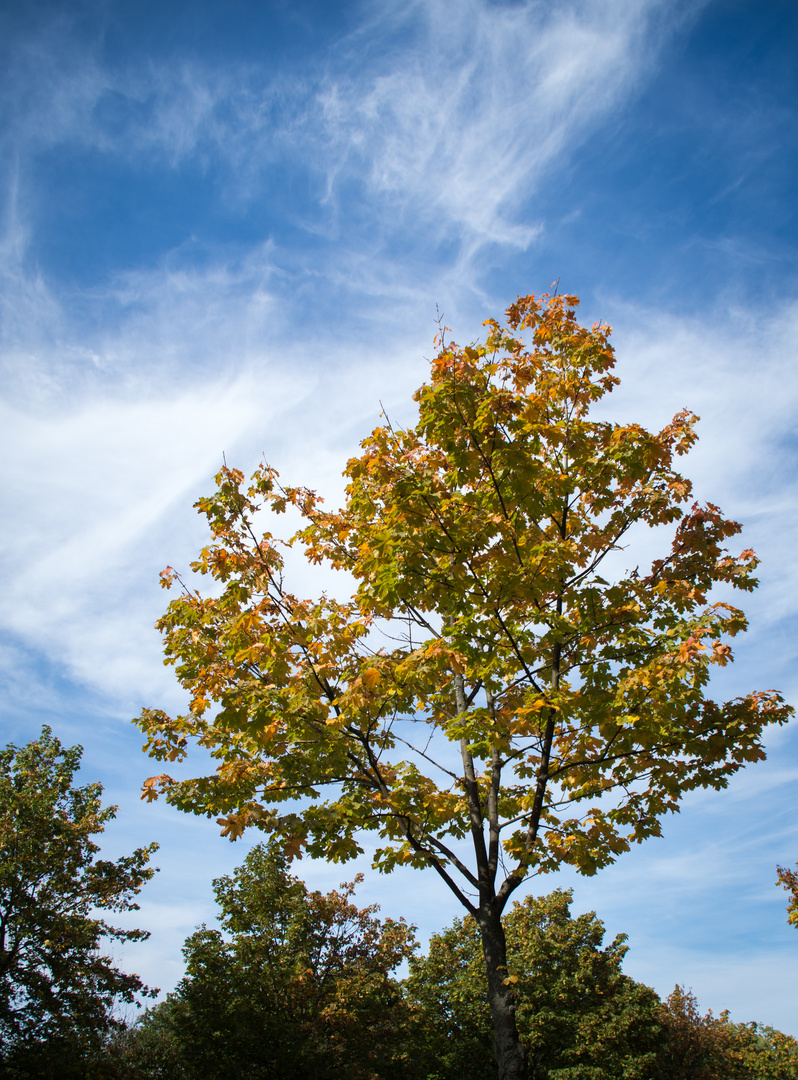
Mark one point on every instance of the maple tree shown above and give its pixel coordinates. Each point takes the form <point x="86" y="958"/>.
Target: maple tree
<point x="58" y="988"/>
<point x="531" y="704"/>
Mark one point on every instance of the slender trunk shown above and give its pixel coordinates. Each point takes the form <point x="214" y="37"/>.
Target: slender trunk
<point x="511" y="1057"/>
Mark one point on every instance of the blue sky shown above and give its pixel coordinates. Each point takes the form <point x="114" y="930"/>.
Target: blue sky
<point x="225" y="228"/>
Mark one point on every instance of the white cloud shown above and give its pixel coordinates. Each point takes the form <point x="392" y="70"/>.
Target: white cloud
<point x="447" y="113"/>
<point x="461" y="127"/>
<point x="86" y="488"/>
<point x="109" y="440"/>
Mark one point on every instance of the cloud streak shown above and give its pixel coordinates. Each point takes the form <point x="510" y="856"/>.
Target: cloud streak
<point x="453" y="127"/>
<point x="461" y="129"/>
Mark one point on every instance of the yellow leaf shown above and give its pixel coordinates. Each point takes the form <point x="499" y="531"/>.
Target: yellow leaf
<point x="370" y="678"/>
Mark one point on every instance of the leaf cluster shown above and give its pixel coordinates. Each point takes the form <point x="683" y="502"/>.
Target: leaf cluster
<point x="789" y="879"/>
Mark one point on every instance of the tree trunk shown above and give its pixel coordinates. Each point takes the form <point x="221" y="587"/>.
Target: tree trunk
<point x="511" y="1057"/>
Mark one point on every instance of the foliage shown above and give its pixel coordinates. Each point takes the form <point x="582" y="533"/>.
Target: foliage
<point x="57" y="989"/>
<point x="789" y="879"/>
<point x="579" y="1015"/>
<point x="296" y="984"/>
<point x="698" y="1047"/>
<point x="148" y="1050"/>
<point x="713" y="1048"/>
<point x="521" y="701"/>
<point x="769" y="1054"/>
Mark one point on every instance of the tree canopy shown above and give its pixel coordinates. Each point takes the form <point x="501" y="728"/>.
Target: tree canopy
<point x="578" y="1015"/>
<point x="499" y="696"/>
<point x="58" y="988"/>
<point x="296" y="983"/>
<point x="714" y="1048"/>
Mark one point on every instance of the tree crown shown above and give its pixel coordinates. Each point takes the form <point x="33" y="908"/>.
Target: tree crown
<point x="517" y="697"/>
<point x="56" y="986"/>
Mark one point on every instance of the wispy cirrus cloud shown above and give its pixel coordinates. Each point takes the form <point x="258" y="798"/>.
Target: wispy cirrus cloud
<point x="448" y="115"/>
<point x="422" y="138"/>
<point x="461" y="127"/>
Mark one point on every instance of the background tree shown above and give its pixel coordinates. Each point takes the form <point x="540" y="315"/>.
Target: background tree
<point x="768" y="1053"/>
<point x="149" y="1049"/>
<point x="295" y="984"/>
<point x="523" y="711"/>
<point x="57" y="988"/>
<point x="577" y="1013"/>
<point x="698" y="1047"/>
<point x="714" y="1048"/>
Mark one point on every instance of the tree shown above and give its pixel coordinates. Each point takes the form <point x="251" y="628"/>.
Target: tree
<point x="577" y="1013"/>
<point x="789" y="879"/>
<point x="523" y="711"/>
<point x="768" y="1053"/>
<point x="296" y="984"/>
<point x="57" y="989"/>
<point x="150" y="1049"/>
<point x="698" y="1047"/>
<point x="714" y="1048"/>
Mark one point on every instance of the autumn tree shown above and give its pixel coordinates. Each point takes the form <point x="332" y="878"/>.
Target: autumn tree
<point x="578" y="1014"/>
<point x="296" y="983"/>
<point x="58" y="988"/>
<point x="768" y="1053"/>
<point x="531" y="703"/>
<point x="707" y="1047"/>
<point x="698" y="1047"/>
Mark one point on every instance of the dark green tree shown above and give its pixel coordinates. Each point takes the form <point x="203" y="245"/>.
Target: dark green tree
<point x="58" y="989"/>
<point x="296" y="984"/>
<point x="150" y="1049"/>
<point x="579" y="1016"/>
